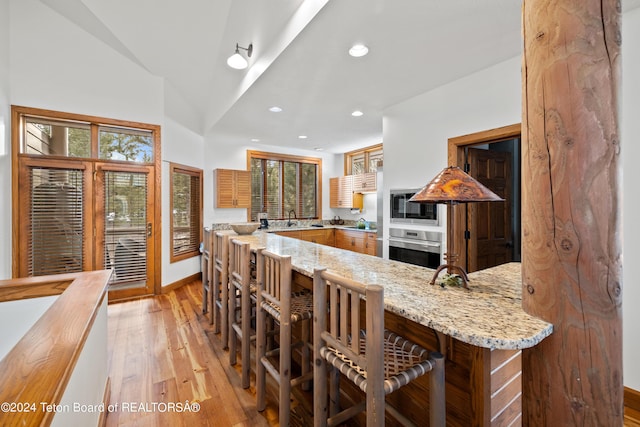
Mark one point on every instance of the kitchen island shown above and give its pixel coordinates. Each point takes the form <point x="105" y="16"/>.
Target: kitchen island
<point x="480" y="330"/>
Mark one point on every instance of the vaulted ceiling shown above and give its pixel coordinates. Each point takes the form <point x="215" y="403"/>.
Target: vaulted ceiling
<point x="300" y="61"/>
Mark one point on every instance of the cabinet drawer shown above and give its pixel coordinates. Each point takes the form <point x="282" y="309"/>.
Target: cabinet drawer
<point x="350" y="240"/>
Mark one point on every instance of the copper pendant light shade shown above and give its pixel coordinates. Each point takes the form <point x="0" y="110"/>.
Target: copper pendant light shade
<point x="453" y="185"/>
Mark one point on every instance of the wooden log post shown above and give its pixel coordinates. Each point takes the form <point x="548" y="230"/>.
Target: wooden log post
<point x="571" y="211"/>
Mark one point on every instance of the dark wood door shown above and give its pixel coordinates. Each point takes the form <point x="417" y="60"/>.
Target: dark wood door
<point x="489" y="223"/>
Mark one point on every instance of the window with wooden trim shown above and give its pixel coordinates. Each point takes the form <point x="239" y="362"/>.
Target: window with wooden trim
<point x="186" y="211"/>
<point x="282" y="183"/>
<point x="86" y="196"/>
<point x="49" y="137"/>
<point x="363" y="160"/>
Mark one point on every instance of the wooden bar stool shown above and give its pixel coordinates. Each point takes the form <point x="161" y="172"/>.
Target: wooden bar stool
<point x="207" y="269"/>
<point x="276" y="300"/>
<point x="241" y="288"/>
<point x="378" y="361"/>
<point x="220" y="286"/>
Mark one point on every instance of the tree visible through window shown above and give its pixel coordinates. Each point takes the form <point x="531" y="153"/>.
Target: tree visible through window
<point x="186" y="211"/>
<point x="280" y="184"/>
<point x="363" y="160"/>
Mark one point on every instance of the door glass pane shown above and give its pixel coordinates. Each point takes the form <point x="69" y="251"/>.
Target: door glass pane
<point x="56" y="138"/>
<point x="130" y="145"/>
<point x="56" y="219"/>
<point x="125" y="234"/>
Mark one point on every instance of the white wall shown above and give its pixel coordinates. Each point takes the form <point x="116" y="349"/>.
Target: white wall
<point x="416" y="131"/>
<point x="219" y="154"/>
<point x="415" y="150"/>
<point x="5" y="155"/>
<point x="88" y="380"/>
<point x="17" y="317"/>
<point x="54" y="64"/>
<point x="182" y="146"/>
<point x="630" y="131"/>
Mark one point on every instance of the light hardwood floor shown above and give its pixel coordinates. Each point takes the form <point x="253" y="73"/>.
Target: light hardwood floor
<point x="162" y="350"/>
<point x="631" y="417"/>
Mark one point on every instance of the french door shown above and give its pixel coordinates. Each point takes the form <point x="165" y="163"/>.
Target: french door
<point x="82" y="215"/>
<point x="124" y="227"/>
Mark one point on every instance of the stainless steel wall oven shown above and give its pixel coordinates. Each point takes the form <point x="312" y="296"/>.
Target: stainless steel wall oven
<point x="417" y="247"/>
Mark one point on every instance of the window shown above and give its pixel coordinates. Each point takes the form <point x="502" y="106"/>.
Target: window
<point x="131" y="145"/>
<point x="364" y="160"/>
<point x="48" y="137"/>
<point x="71" y="138"/>
<point x="86" y="196"/>
<point x="282" y="183"/>
<point x="186" y="211"/>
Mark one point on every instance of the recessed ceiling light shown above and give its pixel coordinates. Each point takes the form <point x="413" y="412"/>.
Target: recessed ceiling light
<point x="302" y="136"/>
<point x="357" y="113"/>
<point x="275" y="109"/>
<point x="255" y="140"/>
<point x="358" y="50"/>
<point x="318" y="148"/>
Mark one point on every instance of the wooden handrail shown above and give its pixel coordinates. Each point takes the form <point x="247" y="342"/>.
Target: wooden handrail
<point x="37" y="369"/>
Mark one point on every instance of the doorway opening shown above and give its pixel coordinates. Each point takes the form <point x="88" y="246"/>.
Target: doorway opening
<point x="492" y="230"/>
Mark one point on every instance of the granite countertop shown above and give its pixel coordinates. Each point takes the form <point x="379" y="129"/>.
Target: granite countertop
<point x="488" y="315"/>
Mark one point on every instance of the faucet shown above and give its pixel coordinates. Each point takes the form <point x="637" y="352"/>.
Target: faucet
<point x="289" y="224"/>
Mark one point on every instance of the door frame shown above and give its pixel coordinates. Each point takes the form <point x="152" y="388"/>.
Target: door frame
<point x="456" y="157"/>
<point x="17" y="158"/>
<point x="99" y="172"/>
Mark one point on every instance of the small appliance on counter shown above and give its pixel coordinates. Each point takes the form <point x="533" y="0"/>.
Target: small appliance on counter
<point x="336" y="221"/>
<point x="264" y="222"/>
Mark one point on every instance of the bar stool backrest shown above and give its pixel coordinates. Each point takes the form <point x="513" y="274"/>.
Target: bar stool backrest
<point x="274" y="280"/>
<point x="345" y="317"/>
<point x="239" y="262"/>
<point x="221" y="253"/>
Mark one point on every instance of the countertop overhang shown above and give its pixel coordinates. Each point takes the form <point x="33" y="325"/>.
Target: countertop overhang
<point x="488" y="315"/>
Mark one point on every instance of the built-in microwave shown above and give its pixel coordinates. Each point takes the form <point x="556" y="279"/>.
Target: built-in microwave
<point x="406" y="212"/>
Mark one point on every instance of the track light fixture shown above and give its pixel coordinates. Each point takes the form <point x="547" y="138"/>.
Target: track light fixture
<point x="238" y="61"/>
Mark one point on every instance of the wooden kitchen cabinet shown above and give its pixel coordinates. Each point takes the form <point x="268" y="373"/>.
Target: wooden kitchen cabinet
<point x="364" y="182"/>
<point x="354" y="240"/>
<point x="341" y="193"/>
<point x="294" y="234"/>
<point x="320" y="236"/>
<point x="358" y="241"/>
<point x="233" y="188"/>
<point x="370" y="243"/>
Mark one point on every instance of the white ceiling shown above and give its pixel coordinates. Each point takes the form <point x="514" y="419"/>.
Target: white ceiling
<point x="300" y="60"/>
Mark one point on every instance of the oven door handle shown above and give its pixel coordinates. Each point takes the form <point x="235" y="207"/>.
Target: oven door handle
<point x="423" y="247"/>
